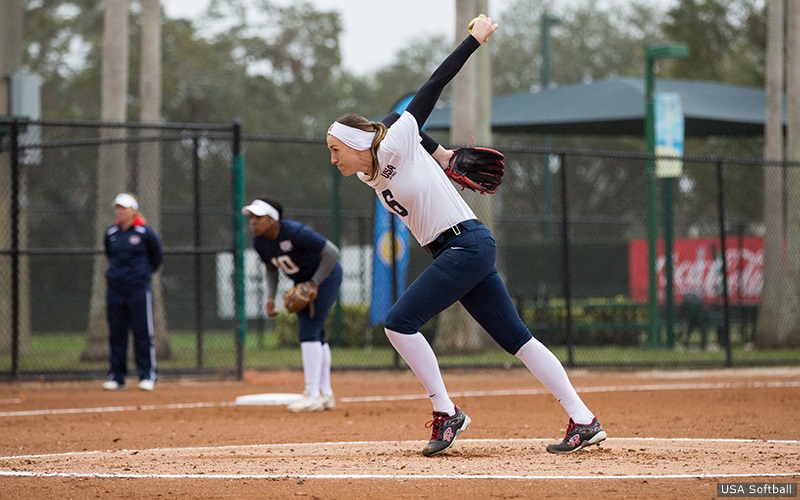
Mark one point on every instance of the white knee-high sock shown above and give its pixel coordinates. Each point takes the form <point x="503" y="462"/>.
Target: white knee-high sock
<point x="416" y="351"/>
<point x="546" y="367"/>
<point x="312" y="364"/>
<point x="325" y="375"/>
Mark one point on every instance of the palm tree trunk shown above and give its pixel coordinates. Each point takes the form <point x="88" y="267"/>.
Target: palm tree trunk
<point x="789" y="333"/>
<point x="10" y="61"/>
<point x="456" y="331"/>
<point x="769" y="316"/>
<point x="150" y="152"/>
<point x="112" y="162"/>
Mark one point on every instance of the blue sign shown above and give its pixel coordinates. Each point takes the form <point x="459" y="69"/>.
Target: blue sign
<point x="382" y="263"/>
<point x="669" y="125"/>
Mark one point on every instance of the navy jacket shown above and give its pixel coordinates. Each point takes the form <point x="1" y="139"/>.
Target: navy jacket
<point x="133" y="256"/>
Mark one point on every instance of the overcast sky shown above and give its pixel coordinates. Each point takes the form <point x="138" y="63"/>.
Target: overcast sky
<point x="368" y="20"/>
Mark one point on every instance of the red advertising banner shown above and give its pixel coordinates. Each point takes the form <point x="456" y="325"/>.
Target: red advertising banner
<point x="697" y="268"/>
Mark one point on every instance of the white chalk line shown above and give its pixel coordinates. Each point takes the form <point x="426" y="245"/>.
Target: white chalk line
<point x="111" y="409"/>
<point x="366" y="399"/>
<point x="585" y="390"/>
<point x="461" y="476"/>
<point x="385" y="476"/>
<point x="409" y="397"/>
<point x="378" y="444"/>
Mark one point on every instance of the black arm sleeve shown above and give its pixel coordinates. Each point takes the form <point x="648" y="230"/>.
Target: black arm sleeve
<point x="429" y="143"/>
<point x="425" y="99"/>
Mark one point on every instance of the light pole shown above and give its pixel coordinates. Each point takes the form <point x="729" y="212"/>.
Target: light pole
<point x="654" y="53"/>
<point x="547" y="181"/>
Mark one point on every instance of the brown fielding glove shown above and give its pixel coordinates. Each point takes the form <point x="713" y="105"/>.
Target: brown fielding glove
<point x="300" y="296"/>
<point x="475" y="168"/>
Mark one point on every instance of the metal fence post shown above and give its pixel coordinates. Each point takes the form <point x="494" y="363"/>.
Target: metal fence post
<point x="15" y="174"/>
<point x="239" y="242"/>
<point x="565" y="258"/>
<point x="726" y="326"/>
<point x="198" y="243"/>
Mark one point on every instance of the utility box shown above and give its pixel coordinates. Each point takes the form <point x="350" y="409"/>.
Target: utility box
<point x="26" y="101"/>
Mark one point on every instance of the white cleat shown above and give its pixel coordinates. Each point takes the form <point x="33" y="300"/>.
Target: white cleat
<point x="307" y="404"/>
<point x="328" y="402"/>
<point x="112" y="385"/>
<point x="147" y="384"/>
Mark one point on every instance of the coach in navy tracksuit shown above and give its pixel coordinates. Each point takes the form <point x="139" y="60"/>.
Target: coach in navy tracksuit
<point x="134" y="254"/>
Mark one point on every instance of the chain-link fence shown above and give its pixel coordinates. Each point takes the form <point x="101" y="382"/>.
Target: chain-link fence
<point x="58" y="201"/>
<point x="582" y="282"/>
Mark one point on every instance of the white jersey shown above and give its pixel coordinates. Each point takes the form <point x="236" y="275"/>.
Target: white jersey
<point x="413" y="185"/>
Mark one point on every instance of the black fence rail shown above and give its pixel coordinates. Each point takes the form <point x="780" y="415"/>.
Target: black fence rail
<point x="574" y="231"/>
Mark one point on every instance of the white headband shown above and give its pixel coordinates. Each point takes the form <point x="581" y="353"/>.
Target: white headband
<point x="127" y="201"/>
<point x="353" y="137"/>
<point x="261" y="208"/>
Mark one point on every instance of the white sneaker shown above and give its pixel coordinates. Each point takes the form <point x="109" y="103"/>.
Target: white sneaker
<point x="306" y="404"/>
<point x="112" y="385"/>
<point x="328" y="402"/>
<point x="147" y="384"/>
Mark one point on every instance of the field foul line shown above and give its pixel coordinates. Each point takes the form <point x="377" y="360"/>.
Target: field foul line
<point x="208" y="449"/>
<point x="110" y="409"/>
<point x="387" y="476"/>
<point x="103" y="475"/>
<point x="408" y="397"/>
<point x="586" y="390"/>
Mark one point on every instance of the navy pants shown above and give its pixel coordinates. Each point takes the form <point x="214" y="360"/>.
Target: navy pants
<point x="464" y="270"/>
<point x="313" y="328"/>
<point x="130" y="310"/>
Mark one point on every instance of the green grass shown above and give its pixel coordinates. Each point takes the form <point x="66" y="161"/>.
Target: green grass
<point x="61" y="353"/>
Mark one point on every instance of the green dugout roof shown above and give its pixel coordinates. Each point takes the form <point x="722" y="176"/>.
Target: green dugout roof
<point x="617" y="107"/>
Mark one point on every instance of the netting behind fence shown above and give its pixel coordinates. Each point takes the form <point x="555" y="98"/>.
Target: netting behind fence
<point x="573" y="231"/>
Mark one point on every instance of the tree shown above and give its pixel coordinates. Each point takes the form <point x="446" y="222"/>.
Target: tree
<point x="725" y="40"/>
<point x="789" y="332"/>
<point x="290" y="56"/>
<point x="53" y="32"/>
<point x="149" y="167"/>
<point x="10" y="61"/>
<point x="595" y="41"/>
<point x="769" y="318"/>
<point x="111" y="163"/>
<point x="457" y="331"/>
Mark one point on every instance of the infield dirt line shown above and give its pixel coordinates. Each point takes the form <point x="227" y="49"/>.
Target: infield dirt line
<point x="92" y="475"/>
<point x="408" y="397"/>
<point x="408" y="442"/>
<point x="618" y="458"/>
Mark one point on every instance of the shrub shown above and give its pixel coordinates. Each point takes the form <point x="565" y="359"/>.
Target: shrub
<point x="595" y="322"/>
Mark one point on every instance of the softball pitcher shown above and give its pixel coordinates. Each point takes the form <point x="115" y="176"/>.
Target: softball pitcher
<point x="400" y="164"/>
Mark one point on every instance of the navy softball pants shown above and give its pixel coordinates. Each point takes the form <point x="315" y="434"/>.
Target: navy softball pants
<point x="313" y="328"/>
<point x="130" y="310"/>
<point x="464" y="270"/>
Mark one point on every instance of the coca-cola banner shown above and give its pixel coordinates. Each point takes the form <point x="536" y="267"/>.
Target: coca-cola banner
<point x="697" y="268"/>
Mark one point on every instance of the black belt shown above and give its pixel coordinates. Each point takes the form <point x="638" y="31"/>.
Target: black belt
<point x="437" y="244"/>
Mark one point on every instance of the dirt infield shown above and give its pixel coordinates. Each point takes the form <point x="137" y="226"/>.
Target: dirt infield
<point x="671" y="435"/>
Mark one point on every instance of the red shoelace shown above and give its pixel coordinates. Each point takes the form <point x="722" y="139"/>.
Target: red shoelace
<point x="570" y="426"/>
<point x="436" y="424"/>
